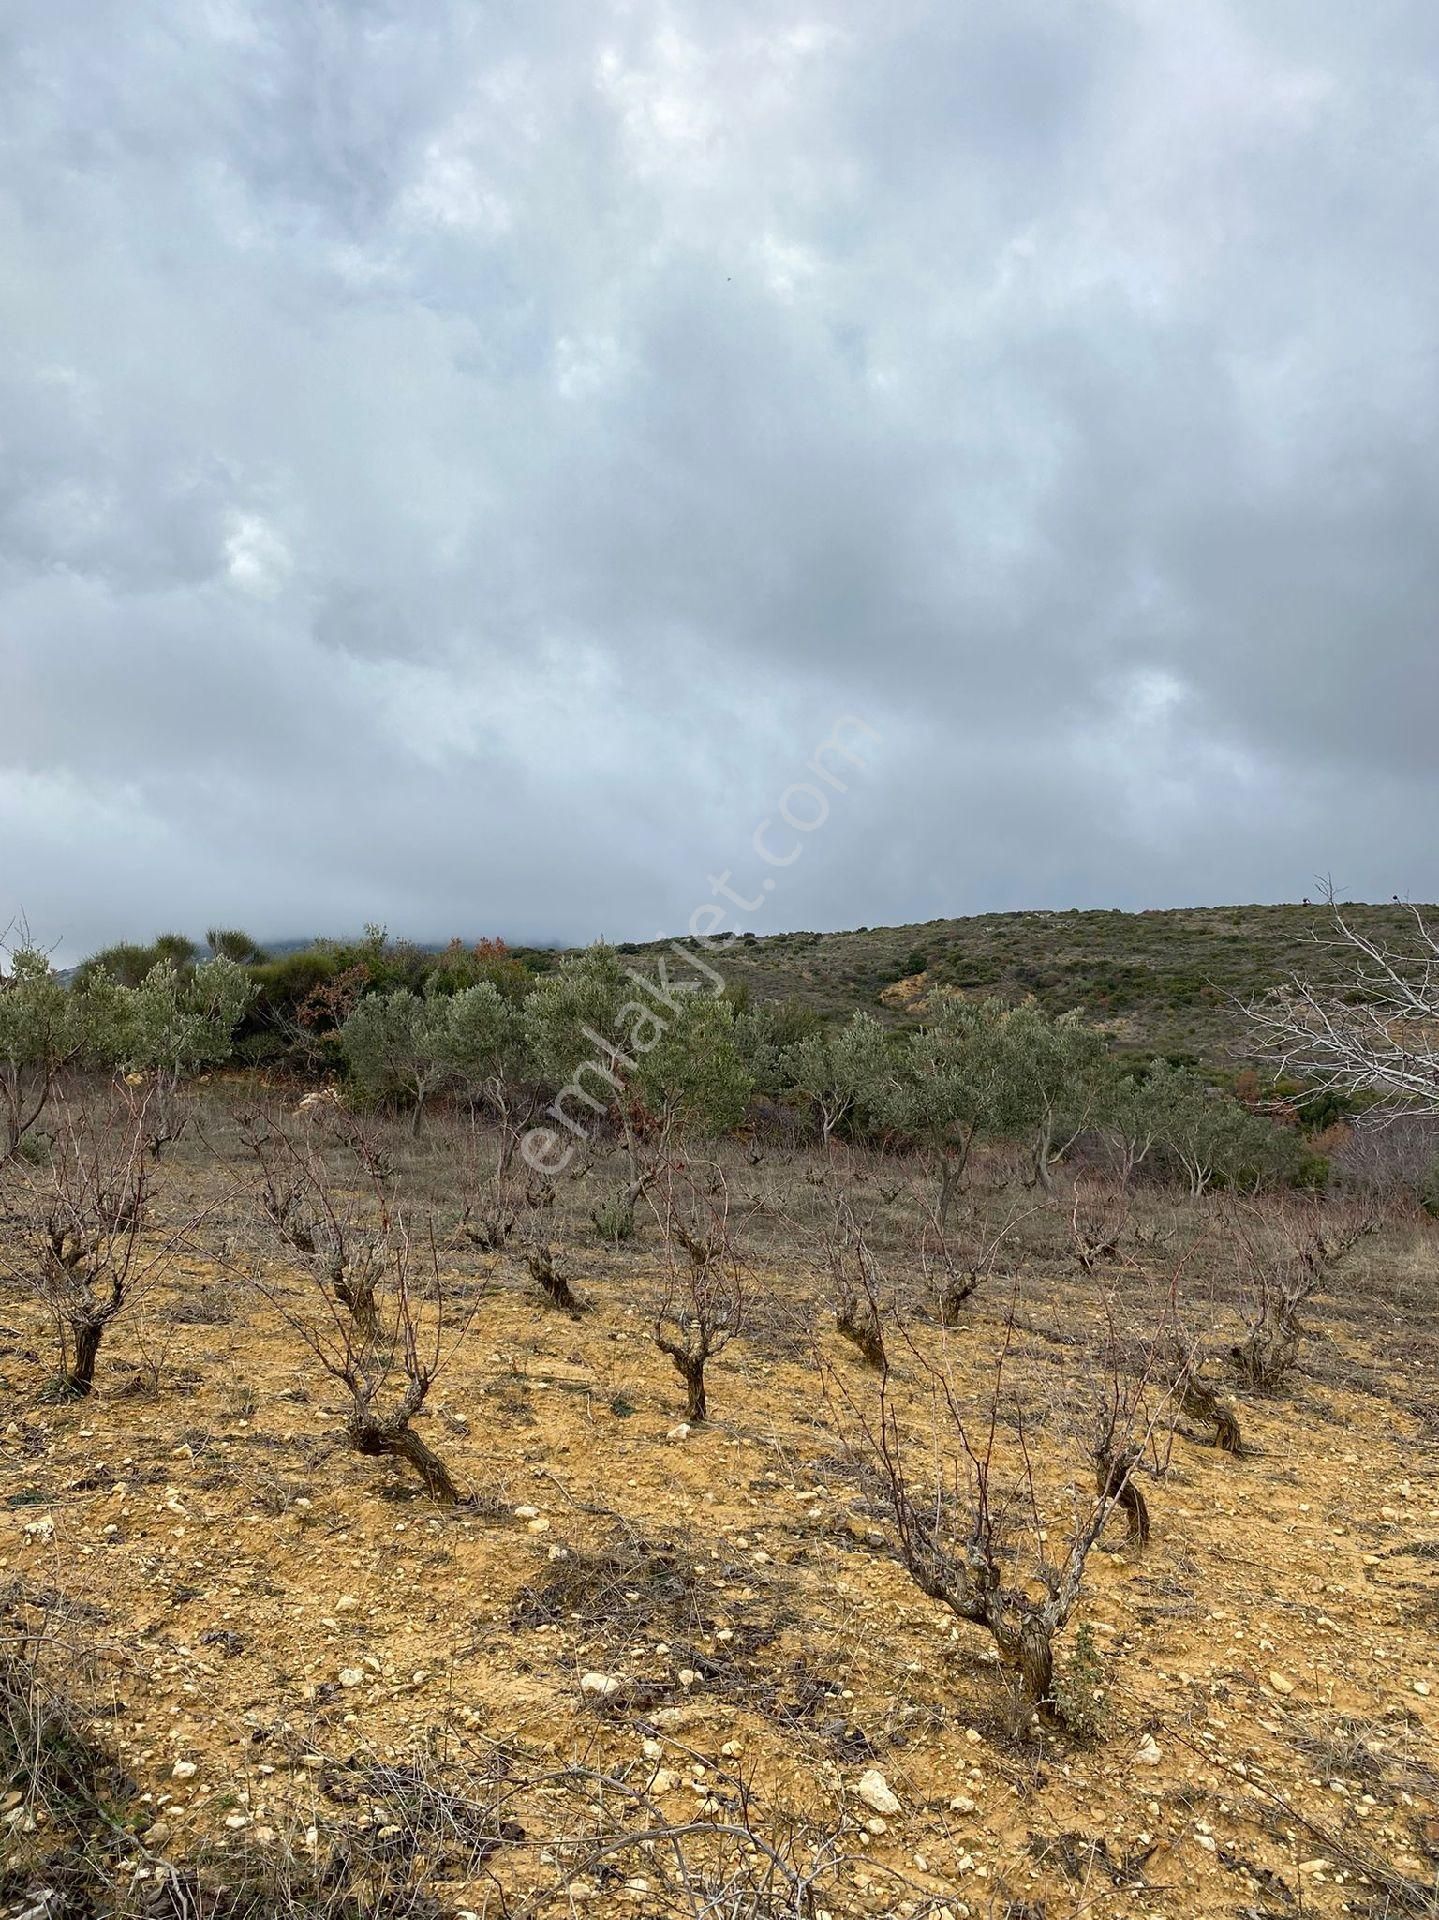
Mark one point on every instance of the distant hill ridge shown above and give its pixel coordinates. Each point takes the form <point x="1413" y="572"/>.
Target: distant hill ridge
<point x="1163" y="980"/>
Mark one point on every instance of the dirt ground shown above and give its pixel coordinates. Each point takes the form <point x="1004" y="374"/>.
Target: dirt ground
<point x="267" y="1621"/>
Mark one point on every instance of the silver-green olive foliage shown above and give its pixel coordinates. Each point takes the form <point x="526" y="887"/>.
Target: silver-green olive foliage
<point x="41" y="1030"/>
<point x="682" y="1049"/>
<point x="588" y="1009"/>
<point x="485" y="1041"/>
<point x="695" y="1074"/>
<point x="840" y="1070"/>
<point x="176" y="1022"/>
<point x="981" y="1069"/>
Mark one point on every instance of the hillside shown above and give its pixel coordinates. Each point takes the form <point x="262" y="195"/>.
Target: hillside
<point x="1168" y="981"/>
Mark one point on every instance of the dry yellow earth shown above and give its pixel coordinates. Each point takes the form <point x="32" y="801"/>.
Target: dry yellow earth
<point x="269" y="1606"/>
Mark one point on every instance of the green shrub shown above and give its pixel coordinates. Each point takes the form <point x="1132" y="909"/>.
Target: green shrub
<point x="614" y="1219"/>
<point x="1081" y="1693"/>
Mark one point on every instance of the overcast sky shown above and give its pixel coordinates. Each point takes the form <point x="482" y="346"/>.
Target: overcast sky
<point x="458" y="461"/>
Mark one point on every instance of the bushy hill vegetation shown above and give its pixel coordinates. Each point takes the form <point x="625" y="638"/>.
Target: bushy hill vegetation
<point x="1158" y="982"/>
<point x="1168" y="981"/>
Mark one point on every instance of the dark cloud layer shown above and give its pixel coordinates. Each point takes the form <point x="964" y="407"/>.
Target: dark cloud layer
<point x="456" y="463"/>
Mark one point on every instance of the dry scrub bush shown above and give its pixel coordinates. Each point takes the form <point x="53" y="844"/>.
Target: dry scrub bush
<point x="736" y="1858"/>
<point x="614" y="1218"/>
<point x="375" y="1834"/>
<point x="702" y="1306"/>
<point x="956" y="1504"/>
<point x="65" y="1794"/>
<point x="81" y="1216"/>
<point x="75" y="1843"/>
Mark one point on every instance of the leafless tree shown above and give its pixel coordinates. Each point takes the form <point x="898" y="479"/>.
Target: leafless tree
<point x="1198" y="1398"/>
<point x="856" y="1283"/>
<point x="1114" y="1471"/>
<point x="499" y="1189"/>
<point x="702" y="1306"/>
<point x="82" y="1246"/>
<point x="1371" y="1025"/>
<point x="1389" y="1164"/>
<point x="551" y="1278"/>
<point x="1121" y="1439"/>
<point x="956" y="1260"/>
<point x="361" y="1308"/>
<point x="1097" y="1223"/>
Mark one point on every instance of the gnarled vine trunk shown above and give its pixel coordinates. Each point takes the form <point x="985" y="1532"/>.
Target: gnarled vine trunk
<point x="857" y="1318"/>
<point x="691" y="1369"/>
<point x="1113" y="1479"/>
<point x="80" y="1379"/>
<point x="398" y="1441"/>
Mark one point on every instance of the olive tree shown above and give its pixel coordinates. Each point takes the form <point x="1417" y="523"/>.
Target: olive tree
<point x="487" y="1050"/>
<point x="695" y="1079"/>
<point x="177" y="1022"/>
<point x="1216" y="1139"/>
<point x="580" y="1040"/>
<point x="948" y="1087"/>
<point x="395" y="1047"/>
<point x="657" y="1059"/>
<point x="1133" y="1114"/>
<point x="1050" y="1079"/>
<point x="408" y="1047"/>
<point x="838" y="1069"/>
<point x="985" y="1068"/>
<point x="485" y="1045"/>
<point x="693" y="1083"/>
<point x="42" y="1029"/>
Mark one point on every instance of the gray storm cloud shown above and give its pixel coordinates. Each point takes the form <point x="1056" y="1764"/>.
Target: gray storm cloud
<point x="456" y="463"/>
